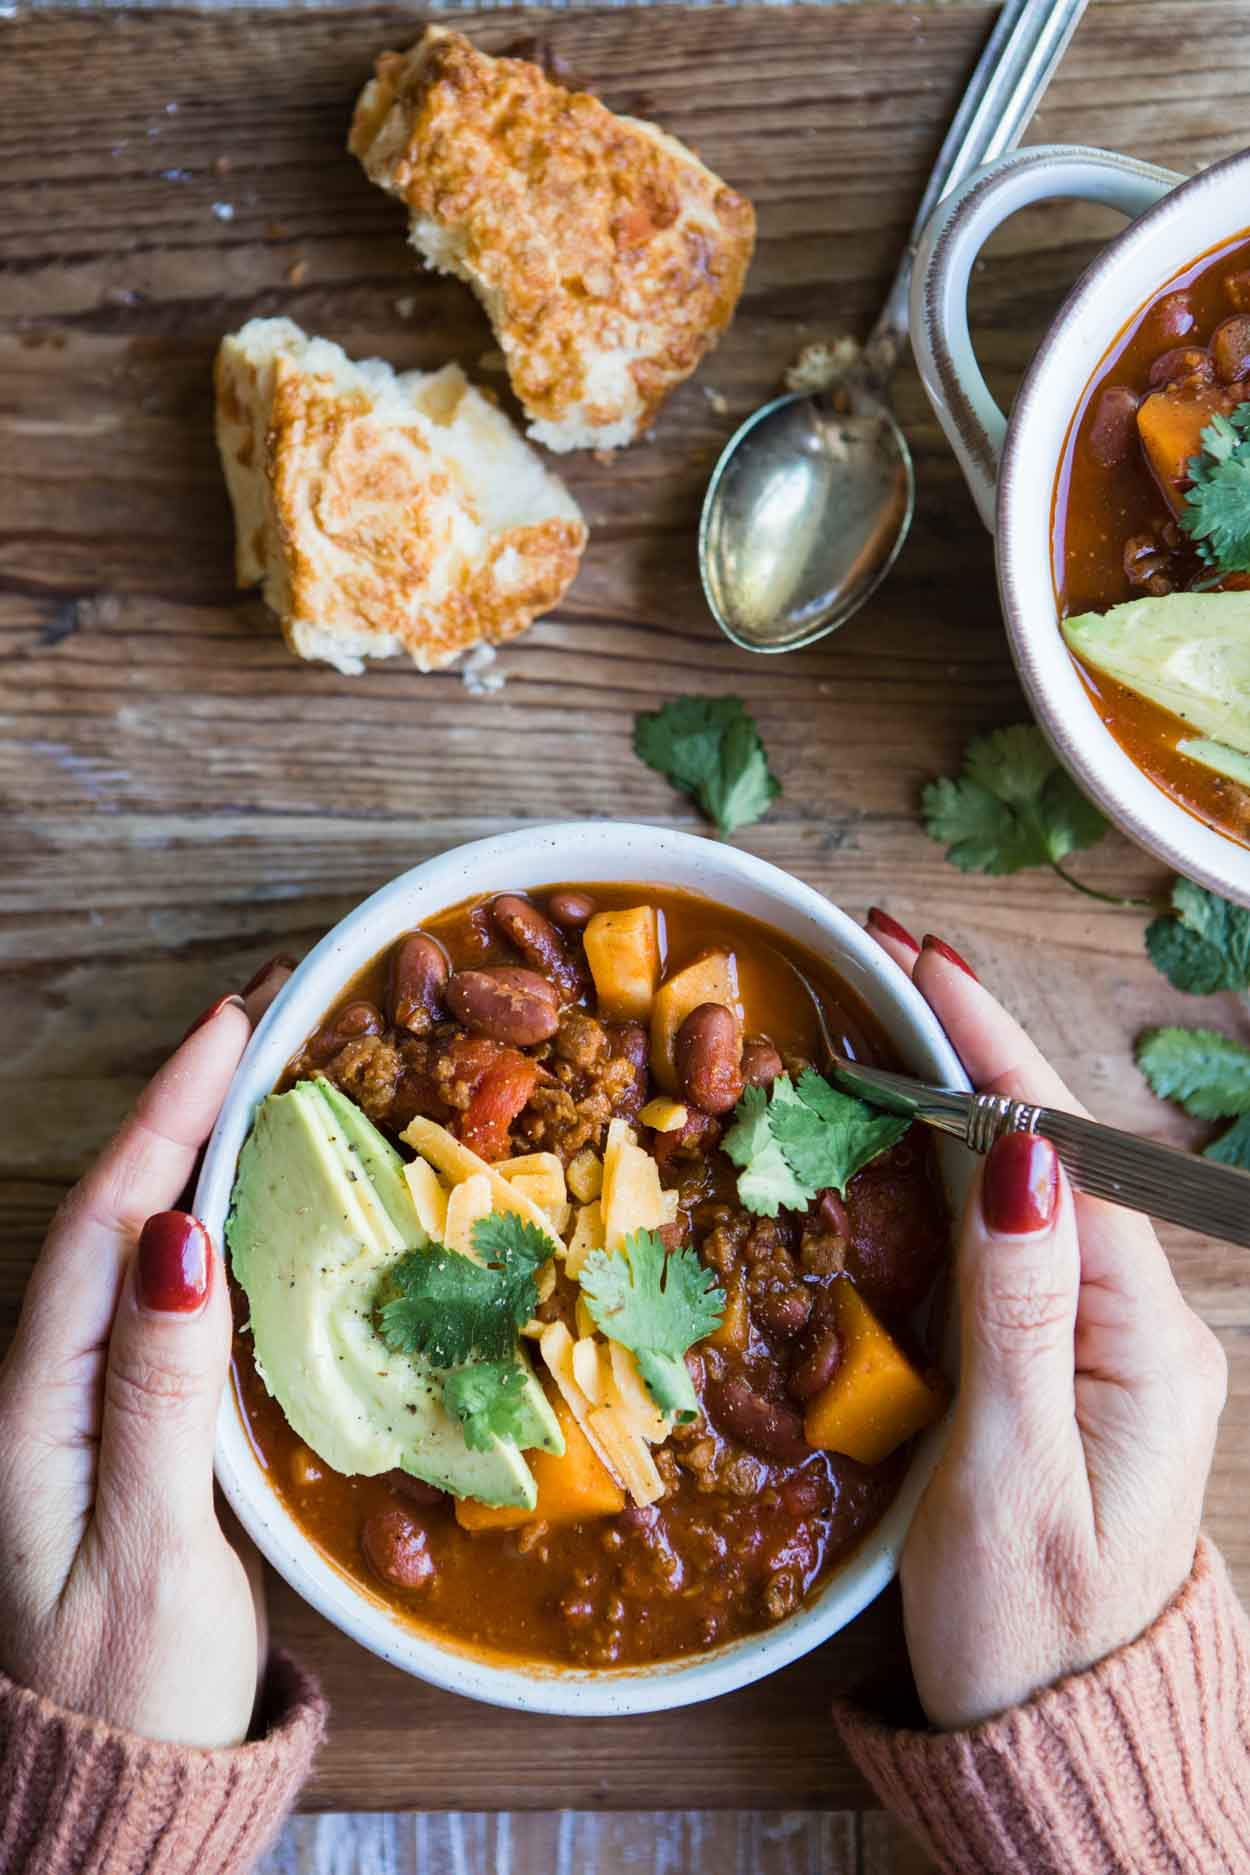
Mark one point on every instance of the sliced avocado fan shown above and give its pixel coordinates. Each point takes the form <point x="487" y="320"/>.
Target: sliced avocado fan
<point x="320" y="1211"/>
<point x="1189" y="652"/>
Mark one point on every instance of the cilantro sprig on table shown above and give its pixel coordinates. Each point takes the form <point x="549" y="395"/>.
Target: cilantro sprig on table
<point x="466" y="1316"/>
<point x="1216" y="515"/>
<point x="657" y="1304"/>
<point x="710" y="748"/>
<point x="1013" y="807"/>
<point x="804" y="1140"/>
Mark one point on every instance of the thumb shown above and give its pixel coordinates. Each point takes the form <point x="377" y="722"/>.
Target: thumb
<point x="167" y="1360"/>
<point x="1019" y="1282"/>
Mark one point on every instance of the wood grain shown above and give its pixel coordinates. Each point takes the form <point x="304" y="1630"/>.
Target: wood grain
<point x="182" y="798"/>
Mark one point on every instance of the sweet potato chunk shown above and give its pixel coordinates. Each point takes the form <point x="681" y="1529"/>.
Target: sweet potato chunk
<point x="571" y="1489"/>
<point x="1170" y="424"/>
<point x="877" y="1398"/>
<point x="623" y="951"/>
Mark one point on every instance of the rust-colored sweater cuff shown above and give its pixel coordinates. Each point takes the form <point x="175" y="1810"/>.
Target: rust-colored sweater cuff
<point x="78" y="1797"/>
<point x="1139" y="1766"/>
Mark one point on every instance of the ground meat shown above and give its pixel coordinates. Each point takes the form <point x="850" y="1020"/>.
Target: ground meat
<point x="688" y="1144"/>
<point x="822" y="1252"/>
<point x="368" y="1071"/>
<point x="581" y="1041"/>
<point x="725" y="1232"/>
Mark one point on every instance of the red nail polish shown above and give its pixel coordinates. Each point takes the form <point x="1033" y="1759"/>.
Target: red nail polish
<point x="881" y="921"/>
<point x="253" y="983"/>
<point x="175" y="1263"/>
<point x="216" y="1009"/>
<point x="1021" y="1185"/>
<point x="951" y="955"/>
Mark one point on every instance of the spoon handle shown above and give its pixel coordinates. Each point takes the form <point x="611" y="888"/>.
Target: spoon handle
<point x="1020" y="56"/>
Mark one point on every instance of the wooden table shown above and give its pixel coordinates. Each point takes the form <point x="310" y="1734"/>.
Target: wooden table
<point x="183" y="798"/>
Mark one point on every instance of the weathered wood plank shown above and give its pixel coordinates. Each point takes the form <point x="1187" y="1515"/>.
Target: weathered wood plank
<point x="752" y="1842"/>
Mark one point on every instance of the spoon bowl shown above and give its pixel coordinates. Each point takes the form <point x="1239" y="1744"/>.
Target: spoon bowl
<point x="804" y="517"/>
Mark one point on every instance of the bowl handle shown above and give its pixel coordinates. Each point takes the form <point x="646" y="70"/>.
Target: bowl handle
<point x="953" y="237"/>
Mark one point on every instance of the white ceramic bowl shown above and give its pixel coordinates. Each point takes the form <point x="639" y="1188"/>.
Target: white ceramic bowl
<point x="1011" y="466"/>
<point x="591" y="852"/>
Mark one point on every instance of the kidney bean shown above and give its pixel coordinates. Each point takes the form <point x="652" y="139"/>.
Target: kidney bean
<point x="415" y="982"/>
<point x="573" y="910"/>
<point x="706" y="1053"/>
<point x="834" y="1213"/>
<point x="765" y="1427"/>
<point x="783" y="1312"/>
<point x="1113" y="430"/>
<point x="415" y="1490"/>
<point x="504" y="1004"/>
<point x="395" y="1548"/>
<point x="351" y="1024"/>
<point x="1169" y="319"/>
<point x="1184" y="364"/>
<point x="761" y="1062"/>
<point x="816" y="1359"/>
<point x="538" y="941"/>
<point x="1230" y="348"/>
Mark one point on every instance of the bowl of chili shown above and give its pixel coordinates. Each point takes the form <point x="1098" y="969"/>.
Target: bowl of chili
<point x="1087" y="487"/>
<point x="754" y="1552"/>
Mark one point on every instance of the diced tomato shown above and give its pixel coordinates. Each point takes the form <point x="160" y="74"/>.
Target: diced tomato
<point x="499" y="1096"/>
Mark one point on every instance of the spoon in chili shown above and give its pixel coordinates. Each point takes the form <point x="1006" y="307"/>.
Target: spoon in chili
<point x="812" y="497"/>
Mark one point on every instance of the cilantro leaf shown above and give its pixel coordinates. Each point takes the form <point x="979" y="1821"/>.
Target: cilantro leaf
<point x="443" y="1305"/>
<point x="710" y="748"/>
<point x="828" y="1136"/>
<point x="1232" y="1147"/>
<point x="489" y="1401"/>
<point x="503" y="1236"/>
<point x="766" y="1182"/>
<point x="802" y="1141"/>
<point x="1203" y="945"/>
<point x="1012" y="807"/>
<point x="1206" y="1073"/>
<point x="1216" y="515"/>
<point x="657" y="1305"/>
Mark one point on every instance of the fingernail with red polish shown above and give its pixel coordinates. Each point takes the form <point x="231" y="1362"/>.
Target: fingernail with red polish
<point x="283" y="959"/>
<point x="1021" y="1185"/>
<point x="175" y="1263"/>
<point x="881" y="921"/>
<point x="951" y="955"/>
<point x="201" y="1022"/>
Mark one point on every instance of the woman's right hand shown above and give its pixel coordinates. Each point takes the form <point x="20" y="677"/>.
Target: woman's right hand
<point x="1063" y="1516"/>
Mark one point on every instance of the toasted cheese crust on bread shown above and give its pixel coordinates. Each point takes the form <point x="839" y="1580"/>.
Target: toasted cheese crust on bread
<point x="384" y="513"/>
<point x="608" y="258"/>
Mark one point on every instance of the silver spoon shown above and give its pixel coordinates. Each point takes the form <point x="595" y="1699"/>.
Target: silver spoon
<point x="812" y="497"/>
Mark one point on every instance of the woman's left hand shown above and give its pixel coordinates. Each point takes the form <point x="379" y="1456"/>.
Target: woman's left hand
<point x="120" y="1595"/>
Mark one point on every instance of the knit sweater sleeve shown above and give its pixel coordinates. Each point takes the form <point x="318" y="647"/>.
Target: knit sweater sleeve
<point x="1139" y="1766"/>
<point x="78" y="1797"/>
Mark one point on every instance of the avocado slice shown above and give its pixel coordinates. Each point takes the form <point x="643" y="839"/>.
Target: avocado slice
<point x="1218" y="756"/>
<point x="1189" y="652"/>
<point x="310" y="1234"/>
<point x="379" y="1161"/>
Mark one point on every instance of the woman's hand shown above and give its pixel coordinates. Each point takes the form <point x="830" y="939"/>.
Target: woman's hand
<point x="120" y="1596"/>
<point x="1064" y="1514"/>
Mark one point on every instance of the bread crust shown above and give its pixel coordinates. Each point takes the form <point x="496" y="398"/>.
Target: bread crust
<point x="384" y="514"/>
<point x="608" y="258"/>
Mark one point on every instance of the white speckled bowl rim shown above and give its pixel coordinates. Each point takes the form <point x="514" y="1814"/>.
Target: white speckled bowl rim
<point x="1200" y="214"/>
<point x="594" y="852"/>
